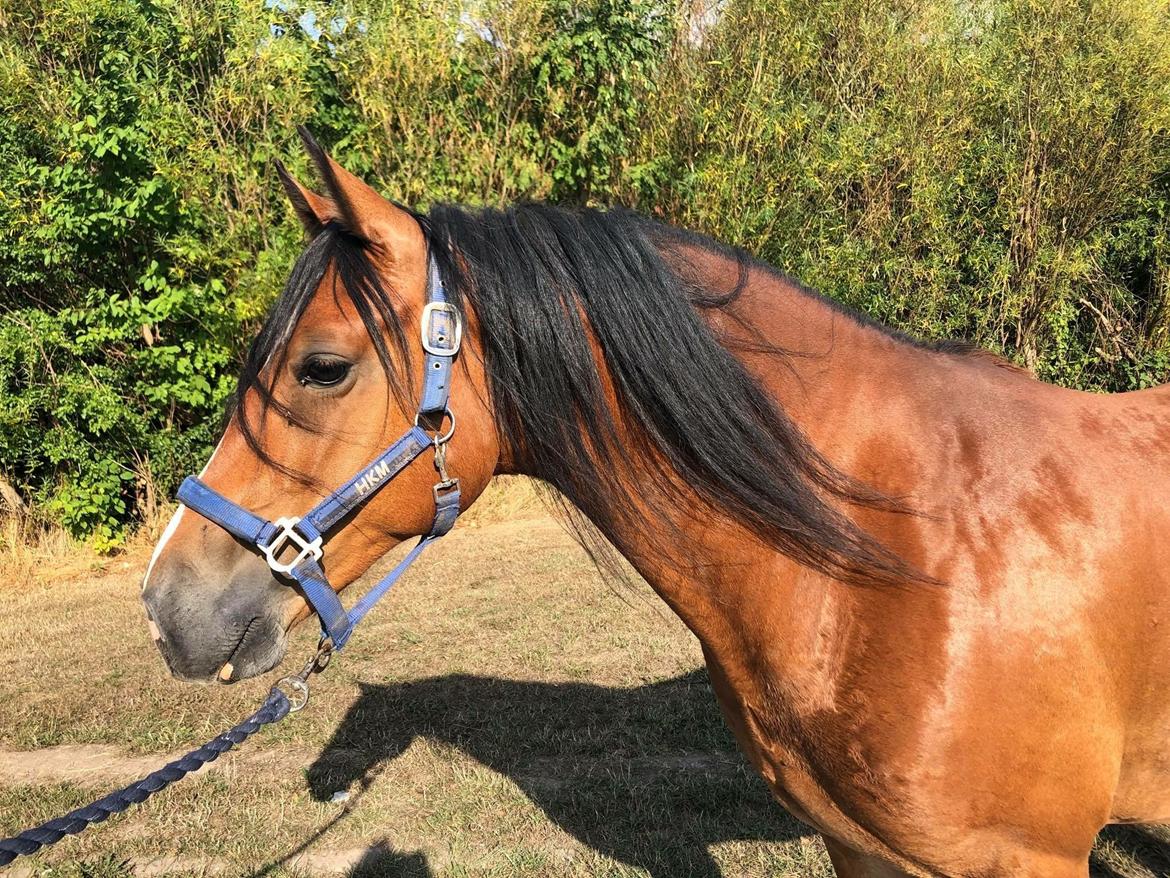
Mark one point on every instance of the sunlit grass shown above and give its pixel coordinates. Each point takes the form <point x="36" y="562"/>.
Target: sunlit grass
<point x="504" y="713"/>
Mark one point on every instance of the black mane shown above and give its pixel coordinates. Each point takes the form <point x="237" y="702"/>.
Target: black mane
<point x="550" y="288"/>
<point x="691" y="431"/>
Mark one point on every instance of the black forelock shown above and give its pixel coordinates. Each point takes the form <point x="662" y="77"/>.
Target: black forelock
<point x="355" y="277"/>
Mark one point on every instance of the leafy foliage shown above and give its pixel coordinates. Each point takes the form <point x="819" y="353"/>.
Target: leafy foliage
<point x="994" y="170"/>
<point x="997" y="171"/>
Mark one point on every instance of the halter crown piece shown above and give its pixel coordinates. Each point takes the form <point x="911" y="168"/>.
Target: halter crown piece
<point x="302" y="537"/>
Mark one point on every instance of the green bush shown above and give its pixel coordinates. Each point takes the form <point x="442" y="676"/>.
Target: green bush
<point x="129" y="233"/>
<point x="998" y="171"/>
<point x="994" y="171"/>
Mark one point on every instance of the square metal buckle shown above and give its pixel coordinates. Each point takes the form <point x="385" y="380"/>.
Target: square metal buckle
<point x="288" y="535"/>
<point x="442" y="329"/>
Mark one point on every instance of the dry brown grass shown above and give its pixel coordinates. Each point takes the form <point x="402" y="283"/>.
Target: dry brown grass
<point x="507" y="498"/>
<point x="505" y="712"/>
<point x="34" y="552"/>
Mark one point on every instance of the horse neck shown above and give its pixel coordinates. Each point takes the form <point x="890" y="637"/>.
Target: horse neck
<point x="830" y="372"/>
<point x="834" y="376"/>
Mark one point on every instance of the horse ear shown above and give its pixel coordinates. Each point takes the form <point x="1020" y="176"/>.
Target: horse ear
<point x="362" y="210"/>
<point x="313" y="210"/>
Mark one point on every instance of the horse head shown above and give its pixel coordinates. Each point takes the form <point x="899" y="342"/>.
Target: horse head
<point x="329" y="382"/>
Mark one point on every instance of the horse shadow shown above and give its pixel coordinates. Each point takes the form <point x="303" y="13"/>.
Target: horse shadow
<point x="648" y="776"/>
<point x="382" y="861"/>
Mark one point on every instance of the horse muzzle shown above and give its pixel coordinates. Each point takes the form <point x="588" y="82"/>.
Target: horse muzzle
<point x="223" y="635"/>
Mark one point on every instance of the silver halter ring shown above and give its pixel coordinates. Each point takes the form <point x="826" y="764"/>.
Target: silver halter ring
<point x="446" y="437"/>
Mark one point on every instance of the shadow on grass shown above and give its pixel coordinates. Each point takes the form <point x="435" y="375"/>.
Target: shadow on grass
<point x="648" y="776"/>
<point x="382" y="861"/>
<point x="1130" y="851"/>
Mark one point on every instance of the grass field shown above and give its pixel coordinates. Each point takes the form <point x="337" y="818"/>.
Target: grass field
<point x="504" y="712"/>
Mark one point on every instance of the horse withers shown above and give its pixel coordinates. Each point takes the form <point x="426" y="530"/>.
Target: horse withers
<point x="933" y="593"/>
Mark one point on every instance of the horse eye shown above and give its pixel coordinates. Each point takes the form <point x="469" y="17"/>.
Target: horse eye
<point x="323" y="372"/>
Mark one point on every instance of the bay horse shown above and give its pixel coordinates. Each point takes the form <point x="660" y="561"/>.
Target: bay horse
<point x="933" y="593"/>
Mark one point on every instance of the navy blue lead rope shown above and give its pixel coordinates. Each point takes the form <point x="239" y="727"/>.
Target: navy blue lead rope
<point x="275" y="708"/>
<point x="441" y="337"/>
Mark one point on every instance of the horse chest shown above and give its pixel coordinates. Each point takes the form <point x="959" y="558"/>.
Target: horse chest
<point x="795" y="755"/>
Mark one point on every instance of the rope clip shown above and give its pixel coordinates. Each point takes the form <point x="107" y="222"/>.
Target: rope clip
<point x="296" y="686"/>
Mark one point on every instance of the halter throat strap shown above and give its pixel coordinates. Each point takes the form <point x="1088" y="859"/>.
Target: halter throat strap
<point x="300" y="539"/>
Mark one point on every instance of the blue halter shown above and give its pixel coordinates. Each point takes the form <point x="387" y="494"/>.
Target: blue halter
<point x="442" y="331"/>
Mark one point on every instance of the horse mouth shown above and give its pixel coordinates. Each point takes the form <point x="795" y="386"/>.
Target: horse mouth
<point x="227" y="670"/>
<point x="261" y="647"/>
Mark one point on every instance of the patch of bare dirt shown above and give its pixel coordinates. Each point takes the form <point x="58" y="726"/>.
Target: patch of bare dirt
<point x="94" y="764"/>
<point x="322" y="862"/>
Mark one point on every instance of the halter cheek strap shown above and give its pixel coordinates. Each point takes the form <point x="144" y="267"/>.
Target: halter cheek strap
<point x="300" y="539"/>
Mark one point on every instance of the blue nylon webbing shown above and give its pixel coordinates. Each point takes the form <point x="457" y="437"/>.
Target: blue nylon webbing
<point x="326" y="514"/>
<point x="440" y="331"/>
<point x="236" y="520"/>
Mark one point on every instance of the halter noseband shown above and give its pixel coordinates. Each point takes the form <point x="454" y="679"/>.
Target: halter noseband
<point x="442" y="332"/>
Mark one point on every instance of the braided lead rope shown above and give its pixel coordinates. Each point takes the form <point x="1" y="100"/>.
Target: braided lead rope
<point x="275" y="708"/>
